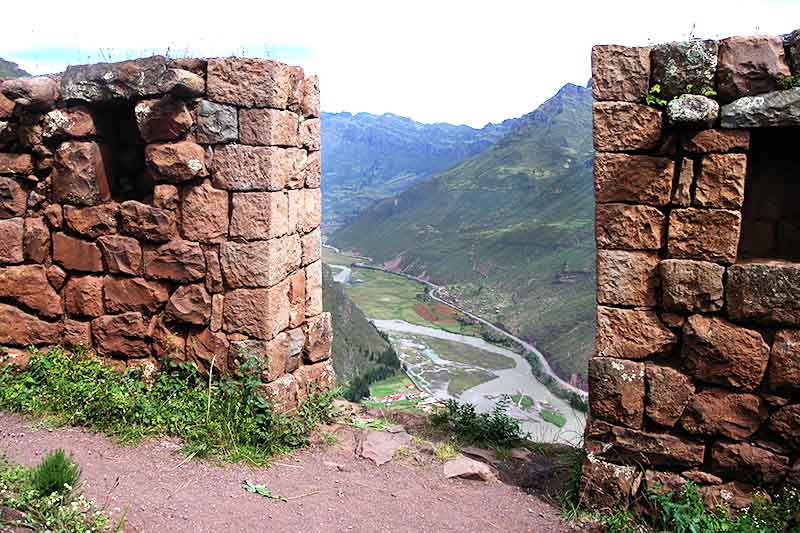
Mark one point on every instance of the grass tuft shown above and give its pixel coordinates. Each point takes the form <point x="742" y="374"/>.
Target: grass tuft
<point x="57" y="474"/>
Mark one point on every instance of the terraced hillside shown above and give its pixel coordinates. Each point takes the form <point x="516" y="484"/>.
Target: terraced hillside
<point x="510" y="230"/>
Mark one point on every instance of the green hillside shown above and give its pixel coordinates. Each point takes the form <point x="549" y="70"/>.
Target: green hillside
<point x="358" y="348"/>
<point x="509" y="230"/>
<point x="10" y="70"/>
<point x="369" y="157"/>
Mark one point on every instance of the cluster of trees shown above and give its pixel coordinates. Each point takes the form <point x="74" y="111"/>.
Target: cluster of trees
<point x="570" y="396"/>
<point x="386" y="364"/>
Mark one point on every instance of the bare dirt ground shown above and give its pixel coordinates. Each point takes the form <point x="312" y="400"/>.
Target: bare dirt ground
<point x="328" y="487"/>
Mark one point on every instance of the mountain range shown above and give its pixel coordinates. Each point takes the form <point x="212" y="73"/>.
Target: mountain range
<point x="9" y="69"/>
<point x="508" y="231"/>
<point x="368" y="157"/>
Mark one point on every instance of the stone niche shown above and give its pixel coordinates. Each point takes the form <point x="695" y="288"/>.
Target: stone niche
<point x="161" y="208"/>
<point x="696" y="373"/>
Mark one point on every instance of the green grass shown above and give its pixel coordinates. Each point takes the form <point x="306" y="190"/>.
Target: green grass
<point x="392" y="385"/>
<point x="557" y="419"/>
<point x="329" y="257"/>
<point x="223" y="418"/>
<point x="470" y="355"/>
<point x="523" y="401"/>
<point x="462" y="380"/>
<point x="48" y="506"/>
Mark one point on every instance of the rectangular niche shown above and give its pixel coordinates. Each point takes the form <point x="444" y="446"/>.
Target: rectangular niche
<point x="771" y="212"/>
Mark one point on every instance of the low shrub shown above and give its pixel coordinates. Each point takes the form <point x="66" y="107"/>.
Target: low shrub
<point x="495" y="429"/>
<point x="57" y="474"/>
<point x="224" y="417"/>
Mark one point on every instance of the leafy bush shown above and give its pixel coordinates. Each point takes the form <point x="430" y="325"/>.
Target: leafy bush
<point x="223" y="417"/>
<point x="56" y="474"/>
<point x="494" y="430"/>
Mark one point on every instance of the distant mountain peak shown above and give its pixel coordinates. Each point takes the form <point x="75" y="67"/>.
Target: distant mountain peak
<point x="9" y="69"/>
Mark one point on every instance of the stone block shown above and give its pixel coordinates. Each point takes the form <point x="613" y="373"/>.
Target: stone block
<point x="18" y="328"/>
<point x="121" y="255"/>
<point x="249" y="82"/>
<point x="693" y="286"/>
<point x="310" y="102"/>
<point x="633" y="178"/>
<point x="632" y="334"/>
<point x="92" y="222"/>
<point x="625" y="126"/>
<point x="721" y="181"/>
<point x="122" y="335"/>
<point x="76" y="254"/>
<point x="704" y="234"/>
<point x="12" y="232"/>
<point x="134" y="294"/>
<point x="214" y="283"/>
<point x="75" y="121"/>
<point x="310" y="134"/>
<point x="165" y="196"/>
<point x="766" y="292"/>
<point x="641" y="448"/>
<point x="147" y="222"/>
<point x="733" y="415"/>
<point x="13" y="199"/>
<point x="784" y="366"/>
<point x="668" y="392"/>
<point x="206" y="348"/>
<point x="314" y="289"/>
<point x="269" y="127"/>
<point x="216" y="123"/>
<point x="297" y="298"/>
<point x="175" y="162"/>
<point x="629" y="227"/>
<point x="16" y="164"/>
<point x="204" y="213"/>
<point x="314" y="379"/>
<point x="627" y="278"/>
<point x="256" y="168"/>
<point x="259" y="313"/>
<point x="311" y="244"/>
<point x="77" y="334"/>
<point x="748" y="463"/>
<point x="606" y="486"/>
<point x="750" y="65"/>
<point x="618" y="391"/>
<point x="167" y="340"/>
<point x="319" y="336"/>
<point x="79" y="175"/>
<point x="719" y="352"/>
<point x="775" y="109"/>
<point x="281" y="394"/>
<point x="83" y="296"/>
<point x="190" y="304"/>
<point x="260" y="215"/>
<point x="677" y="65"/>
<point x="259" y="263"/>
<point x="692" y="110"/>
<point x="716" y="141"/>
<point x="785" y="423"/>
<point x="163" y="119"/>
<point x="37" y="92"/>
<point x="28" y="285"/>
<point x="176" y="260"/>
<point x="311" y="213"/>
<point x="311" y="174"/>
<point x="620" y="73"/>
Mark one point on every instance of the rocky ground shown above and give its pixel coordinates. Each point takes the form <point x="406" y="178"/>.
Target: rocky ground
<point x="350" y="479"/>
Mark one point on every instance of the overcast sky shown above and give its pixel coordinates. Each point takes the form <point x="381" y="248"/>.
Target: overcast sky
<point x="433" y="60"/>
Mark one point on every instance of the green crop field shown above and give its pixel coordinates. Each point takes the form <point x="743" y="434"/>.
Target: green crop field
<point x="464" y="353"/>
<point x="461" y="380"/>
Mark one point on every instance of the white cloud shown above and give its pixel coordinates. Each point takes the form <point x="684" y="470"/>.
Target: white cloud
<point x="434" y="60"/>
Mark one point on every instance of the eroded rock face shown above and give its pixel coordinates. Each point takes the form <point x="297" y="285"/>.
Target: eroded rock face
<point x="12" y="198"/>
<point x="92" y="222"/>
<point x="12" y="232"/>
<point x="629" y="227"/>
<point x="720" y="412"/>
<point x="764" y="292"/>
<point x="618" y="391"/>
<point x="624" y="126"/>
<point x="785" y="422"/>
<point x="750" y="65"/>
<point x="281" y="393"/>
<point x="668" y="392"/>
<point x="677" y="65"/>
<point x="177" y="260"/>
<point x="134" y="294"/>
<point x="631" y="333"/>
<point x="719" y="352"/>
<point x="84" y="296"/>
<point x="620" y="73"/>
<point x="721" y="181"/>
<point x="627" y="278"/>
<point x="146" y="222"/>
<point x="163" y="119"/>
<point x="70" y="122"/>
<point x="693" y="110"/>
<point x="694" y="286"/>
<point x="319" y="336"/>
<point x="633" y="178"/>
<point x="784" y="368"/>
<point x="121" y="255"/>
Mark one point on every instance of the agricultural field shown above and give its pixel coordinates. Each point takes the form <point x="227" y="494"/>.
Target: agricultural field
<point x="469" y="355"/>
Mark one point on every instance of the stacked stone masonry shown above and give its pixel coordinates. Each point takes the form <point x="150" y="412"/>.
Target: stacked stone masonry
<point x="696" y="373"/>
<point x="161" y="208"/>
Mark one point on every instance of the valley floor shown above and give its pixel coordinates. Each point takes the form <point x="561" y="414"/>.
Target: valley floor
<point x="329" y="489"/>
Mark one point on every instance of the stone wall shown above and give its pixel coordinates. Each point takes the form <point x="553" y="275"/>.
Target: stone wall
<point x="167" y="208"/>
<point x="696" y="374"/>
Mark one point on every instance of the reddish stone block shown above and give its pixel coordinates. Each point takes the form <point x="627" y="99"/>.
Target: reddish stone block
<point x="208" y="348"/>
<point x="784" y="367"/>
<point x="13" y="199"/>
<point x="56" y="276"/>
<point x="18" y="328"/>
<point x="176" y="162"/>
<point x="259" y="263"/>
<point x="750" y="65"/>
<point x="134" y="294"/>
<point x="704" y="234"/>
<point x="165" y="196"/>
<point x="121" y="255"/>
<point x="310" y="134"/>
<point x="260" y="313"/>
<point x="77" y="334"/>
<point x="54" y="215"/>
<point x="268" y="127"/>
<point x="214" y="282"/>
<point x="6" y="107"/>
<point x="748" y="463"/>
<point x="38" y="92"/>
<point x="84" y="296"/>
<point x="785" y="423"/>
<point x="176" y="260"/>
<point x="721" y="181"/>
<point x="631" y="334"/>
<point x="249" y="82"/>
<point x="720" y="412"/>
<point x="28" y="285"/>
<point x="631" y="446"/>
<point x="16" y="164"/>
<point x="668" y="392"/>
<point x="625" y="126"/>
<point x="146" y="222"/>
<point x="716" y="141"/>
<point x="260" y="215"/>
<point x="627" y="278"/>
<point x="314" y="289"/>
<point x="718" y="352"/>
<point x="606" y="486"/>
<point x="163" y="119"/>
<point x="633" y="178"/>
<point x="311" y="213"/>
<point x="617" y="391"/>
<point x="204" y="213"/>
<point x="311" y="175"/>
<point x="733" y="496"/>
<point x="167" y="340"/>
<point x="79" y="174"/>
<point x="36" y="242"/>
<point x="281" y="394"/>
<point x="764" y="292"/>
<point x="68" y="122"/>
<point x="629" y="227"/>
<point x="217" y="303"/>
<point x="310" y="102"/>
<point x="190" y="304"/>
<point x="297" y="298"/>
<point x="76" y="254"/>
<point x="122" y="335"/>
<point x="314" y="379"/>
<point x="319" y="336"/>
<point x="693" y="286"/>
<point x="93" y="221"/>
<point x="312" y="247"/>
<point x="256" y="168"/>
<point x="682" y="195"/>
<point x="620" y="73"/>
<point x="12" y="232"/>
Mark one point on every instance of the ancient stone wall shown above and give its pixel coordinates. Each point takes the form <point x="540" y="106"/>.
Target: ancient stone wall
<point x="696" y="374"/>
<point x="167" y="208"/>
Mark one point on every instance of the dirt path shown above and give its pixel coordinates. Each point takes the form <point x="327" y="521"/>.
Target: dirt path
<point x="343" y="493"/>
